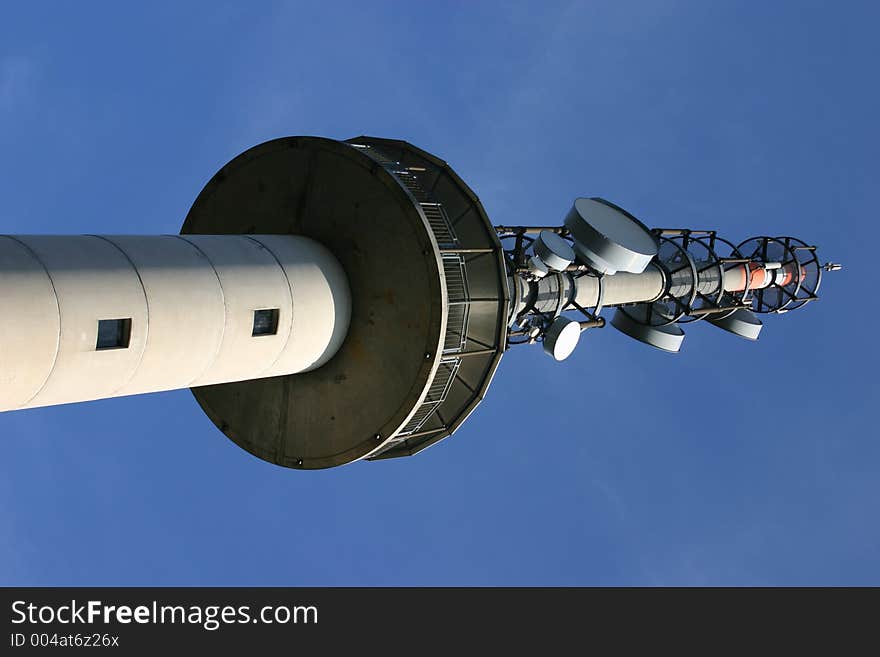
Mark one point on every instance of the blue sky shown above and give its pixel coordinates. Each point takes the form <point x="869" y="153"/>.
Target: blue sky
<point x="731" y="463"/>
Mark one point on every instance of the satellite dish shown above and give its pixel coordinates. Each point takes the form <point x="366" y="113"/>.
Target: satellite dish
<point x="538" y="267"/>
<point x="742" y="322"/>
<point x="562" y="337"/>
<point x="553" y="250"/>
<point x="667" y="338"/>
<point x="608" y="238"/>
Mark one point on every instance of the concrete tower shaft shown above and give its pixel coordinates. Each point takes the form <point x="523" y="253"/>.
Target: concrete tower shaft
<point x="87" y="317"/>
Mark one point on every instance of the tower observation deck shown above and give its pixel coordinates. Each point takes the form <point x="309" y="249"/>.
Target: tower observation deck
<point x="332" y="301"/>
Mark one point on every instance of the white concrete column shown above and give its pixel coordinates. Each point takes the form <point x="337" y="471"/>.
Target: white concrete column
<point x="185" y="307"/>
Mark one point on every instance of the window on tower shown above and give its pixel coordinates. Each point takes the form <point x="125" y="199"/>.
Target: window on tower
<point x="113" y="333"/>
<point x="265" y="321"/>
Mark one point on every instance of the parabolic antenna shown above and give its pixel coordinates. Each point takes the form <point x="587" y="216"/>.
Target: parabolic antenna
<point x="562" y="338"/>
<point x="608" y="238"/>
<point x="667" y="338"/>
<point x="742" y="322"/>
<point x="538" y="267"/>
<point x="553" y="250"/>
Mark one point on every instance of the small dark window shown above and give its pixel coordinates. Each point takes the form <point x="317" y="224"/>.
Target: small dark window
<point x="113" y="333"/>
<point x="266" y="322"/>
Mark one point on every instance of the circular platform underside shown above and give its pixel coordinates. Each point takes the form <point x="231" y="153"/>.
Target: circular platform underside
<point x="333" y="193"/>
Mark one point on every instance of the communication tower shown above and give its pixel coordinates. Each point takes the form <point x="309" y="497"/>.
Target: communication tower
<point x="331" y="301"/>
